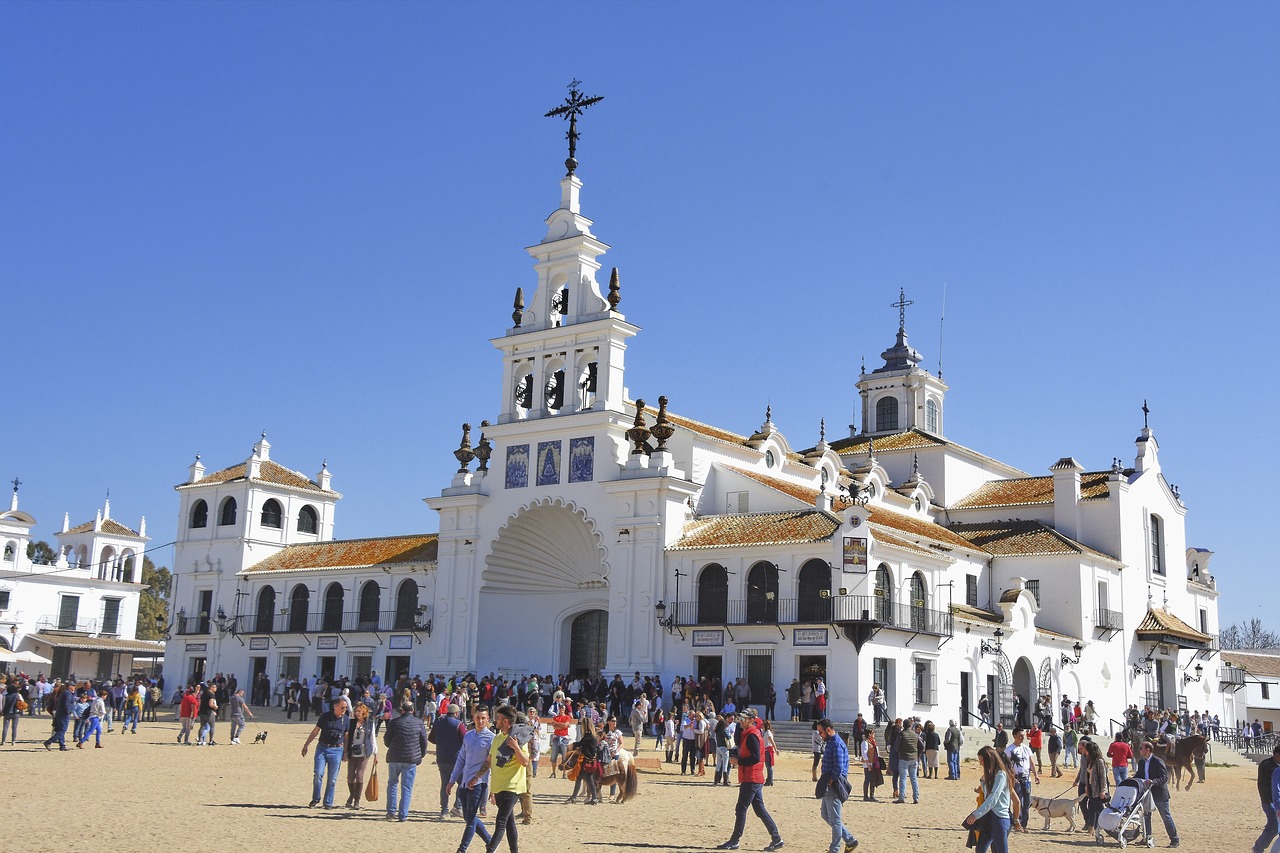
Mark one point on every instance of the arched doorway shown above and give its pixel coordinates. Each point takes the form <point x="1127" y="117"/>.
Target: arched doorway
<point x="299" y="603"/>
<point x="762" y="593"/>
<point x="1024" y="688"/>
<point x="331" y="619"/>
<point x="406" y="605"/>
<point x="370" y="602"/>
<point x="713" y="595"/>
<point x="815" y="578"/>
<point x="266" y="610"/>
<point x="588" y="643"/>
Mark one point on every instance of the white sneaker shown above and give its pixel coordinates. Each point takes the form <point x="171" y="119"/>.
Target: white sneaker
<point x="235" y="741"/>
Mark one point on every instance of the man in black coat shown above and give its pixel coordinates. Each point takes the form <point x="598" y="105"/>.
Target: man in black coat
<point x="1265" y="771"/>
<point x="406" y="741"/>
<point x="1154" y="770"/>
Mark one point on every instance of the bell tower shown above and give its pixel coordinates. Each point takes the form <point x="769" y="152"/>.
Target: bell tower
<point x="564" y="351"/>
<point x="901" y="395"/>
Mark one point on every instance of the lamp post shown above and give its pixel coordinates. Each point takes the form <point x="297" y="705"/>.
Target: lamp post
<point x="992" y="648"/>
<point x="668" y="622"/>
<point x="1187" y="679"/>
<point x="1077" y="648"/>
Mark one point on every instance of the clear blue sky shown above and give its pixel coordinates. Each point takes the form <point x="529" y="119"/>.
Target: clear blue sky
<point x="310" y="218"/>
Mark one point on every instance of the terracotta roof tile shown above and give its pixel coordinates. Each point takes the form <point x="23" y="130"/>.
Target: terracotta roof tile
<point x="80" y="642"/>
<point x="1161" y="623"/>
<point x="802" y="493"/>
<point x="1267" y="666"/>
<point x="352" y="553"/>
<point x="909" y="524"/>
<point x="883" y="538"/>
<point x="695" y="426"/>
<point x="1030" y="490"/>
<point x="757" y="528"/>
<point x="269" y="472"/>
<point x="912" y="439"/>
<point x="976" y="614"/>
<point x="1022" y="538"/>
<point x="109" y="526"/>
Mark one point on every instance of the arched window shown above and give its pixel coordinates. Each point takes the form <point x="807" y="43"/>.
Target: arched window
<point x="762" y="593"/>
<point x="1157" y="544"/>
<point x="884" y="594"/>
<point x="886" y="414"/>
<point x="128" y="563"/>
<point x="107" y="564"/>
<point x="299" y="604"/>
<point x="918" y="602"/>
<point x="227" y="513"/>
<point x="308" y="522"/>
<point x="713" y="595"/>
<point x="815" y="578"/>
<point x="370" y="601"/>
<point x="931" y="415"/>
<point x="331" y="620"/>
<point x="406" y="605"/>
<point x="199" y="514"/>
<point x="272" y="514"/>
<point x="10" y="551"/>
<point x="266" y="610"/>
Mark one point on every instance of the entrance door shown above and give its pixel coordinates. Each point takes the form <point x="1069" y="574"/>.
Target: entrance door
<point x="361" y="666"/>
<point x="291" y="666"/>
<point x="1161" y="685"/>
<point x="757" y="667"/>
<point x="397" y="665"/>
<point x="328" y="665"/>
<point x="588" y="644"/>
<point x="106" y="664"/>
<point x="813" y="667"/>
<point x="964" y="699"/>
<point x="197" y="670"/>
<point x="882" y="674"/>
<point x="259" y="666"/>
<point x="710" y="668"/>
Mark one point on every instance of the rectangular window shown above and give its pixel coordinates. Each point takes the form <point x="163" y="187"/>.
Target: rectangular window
<point x="926" y="688"/>
<point x="971" y="590"/>
<point x="738" y="502"/>
<point x="205" y="611"/>
<point x="1033" y="587"/>
<point x="4" y="599"/>
<point x="110" y="616"/>
<point x="68" y="612"/>
<point x="1266" y="690"/>
<point x="1157" y="545"/>
<point x="1204" y="621"/>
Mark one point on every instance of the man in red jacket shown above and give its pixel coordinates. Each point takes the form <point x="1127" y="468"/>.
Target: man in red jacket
<point x="751" y="782"/>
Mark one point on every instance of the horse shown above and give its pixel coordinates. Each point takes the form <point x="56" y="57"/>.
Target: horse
<point x="1185" y="750"/>
<point x="621" y="772"/>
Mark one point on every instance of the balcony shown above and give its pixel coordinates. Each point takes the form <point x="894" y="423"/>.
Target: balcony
<point x="1231" y="676"/>
<point x="1108" y="620"/>
<point x="838" y="609"/>
<point x="332" y="622"/>
<point x="51" y="622"/>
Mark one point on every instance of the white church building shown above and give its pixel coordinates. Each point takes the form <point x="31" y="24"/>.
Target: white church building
<point x="588" y="530"/>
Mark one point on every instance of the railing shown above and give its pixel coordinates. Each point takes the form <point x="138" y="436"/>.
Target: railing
<point x="816" y="611"/>
<point x="193" y="625"/>
<point x="1231" y="675"/>
<point x="1108" y="620"/>
<point x="336" y="622"/>
<point x="1215" y="643"/>
<point x="51" y="622"/>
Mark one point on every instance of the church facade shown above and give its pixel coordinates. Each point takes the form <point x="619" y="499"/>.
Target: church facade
<point x="588" y="529"/>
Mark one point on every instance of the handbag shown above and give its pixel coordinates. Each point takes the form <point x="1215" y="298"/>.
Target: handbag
<point x="371" y="788"/>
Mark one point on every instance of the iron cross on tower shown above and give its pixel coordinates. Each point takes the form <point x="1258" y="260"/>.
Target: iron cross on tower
<point x="573" y="106"/>
<point x="901" y="305"/>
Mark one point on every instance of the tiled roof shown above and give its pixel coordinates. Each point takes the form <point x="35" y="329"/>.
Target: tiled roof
<point x="757" y="528"/>
<point x="110" y="526"/>
<point x="976" y="614"/>
<point x="1022" y="538"/>
<point x="1030" y="490"/>
<point x="801" y="493"/>
<point x="883" y="538"/>
<point x="269" y="472"/>
<point x="1162" y="623"/>
<point x="1009" y="596"/>
<point x="80" y="642"/>
<point x="695" y="426"/>
<point x="913" y="526"/>
<point x="912" y="439"/>
<point x="352" y="554"/>
<point x="1267" y="666"/>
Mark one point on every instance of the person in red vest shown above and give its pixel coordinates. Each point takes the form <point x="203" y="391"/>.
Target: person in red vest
<point x="751" y="782"/>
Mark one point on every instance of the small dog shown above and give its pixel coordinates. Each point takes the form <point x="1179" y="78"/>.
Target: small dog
<point x="261" y="738"/>
<point x="1048" y="809"/>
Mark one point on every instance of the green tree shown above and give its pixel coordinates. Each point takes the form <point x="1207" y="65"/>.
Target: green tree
<point x="41" y="552"/>
<point x="1251" y="634"/>
<point x="154" y="601"/>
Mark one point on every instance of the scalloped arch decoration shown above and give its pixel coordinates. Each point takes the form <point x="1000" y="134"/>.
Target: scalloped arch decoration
<point x="548" y="546"/>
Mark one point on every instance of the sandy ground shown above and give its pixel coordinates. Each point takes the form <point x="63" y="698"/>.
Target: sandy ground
<point x="147" y="788"/>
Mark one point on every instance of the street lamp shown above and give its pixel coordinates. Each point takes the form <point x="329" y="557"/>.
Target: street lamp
<point x="1077" y="648"/>
<point x="1187" y="679"/>
<point x="992" y="648"/>
<point x="668" y="622"/>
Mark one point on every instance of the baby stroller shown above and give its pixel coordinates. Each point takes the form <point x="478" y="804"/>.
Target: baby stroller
<point x="1122" y="817"/>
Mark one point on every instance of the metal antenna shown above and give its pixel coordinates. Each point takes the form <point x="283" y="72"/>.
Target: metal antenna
<point x="941" y="323"/>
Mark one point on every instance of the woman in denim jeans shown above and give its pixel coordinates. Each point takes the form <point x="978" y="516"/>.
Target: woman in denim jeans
<point x="995" y="790"/>
<point x="331" y="728"/>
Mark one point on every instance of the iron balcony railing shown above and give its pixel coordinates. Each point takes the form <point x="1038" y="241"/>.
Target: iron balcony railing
<point x="870" y="609"/>
<point x="1215" y="642"/>
<point x="1108" y="620"/>
<point x="51" y="622"/>
<point x="1232" y="675"/>
<point x="333" y="621"/>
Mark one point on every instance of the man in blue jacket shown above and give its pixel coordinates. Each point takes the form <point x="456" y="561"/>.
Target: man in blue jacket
<point x="835" y="766"/>
<point x="1154" y="770"/>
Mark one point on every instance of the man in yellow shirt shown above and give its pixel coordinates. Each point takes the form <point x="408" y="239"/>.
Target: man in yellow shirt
<point x="506" y="765"/>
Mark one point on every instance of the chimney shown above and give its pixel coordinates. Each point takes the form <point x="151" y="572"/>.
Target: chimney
<point x="1066" y="496"/>
<point x="196" y="471"/>
<point x="324" y="477"/>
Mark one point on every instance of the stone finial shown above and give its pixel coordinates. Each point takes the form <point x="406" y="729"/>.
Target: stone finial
<point x="639" y="433"/>
<point x="662" y="428"/>
<point x="768" y="413"/>
<point x="615" y="290"/>
<point x="518" y="314"/>
<point x="484" y="449"/>
<point x="915" y="465"/>
<point x="464" y="454"/>
<point x="822" y="431"/>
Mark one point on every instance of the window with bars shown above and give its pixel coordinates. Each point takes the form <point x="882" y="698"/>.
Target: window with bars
<point x="926" y="682"/>
<point x="1033" y="587"/>
<point x="971" y="590"/>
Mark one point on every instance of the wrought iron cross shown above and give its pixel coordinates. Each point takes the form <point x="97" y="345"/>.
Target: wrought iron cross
<point x="573" y="106"/>
<point x="1145" y="413"/>
<point x="16" y="483"/>
<point x="901" y="305"/>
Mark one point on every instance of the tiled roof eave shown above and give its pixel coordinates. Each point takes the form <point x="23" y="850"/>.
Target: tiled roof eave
<point x="262" y="481"/>
<point x="251" y="572"/>
<point x="714" y="545"/>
